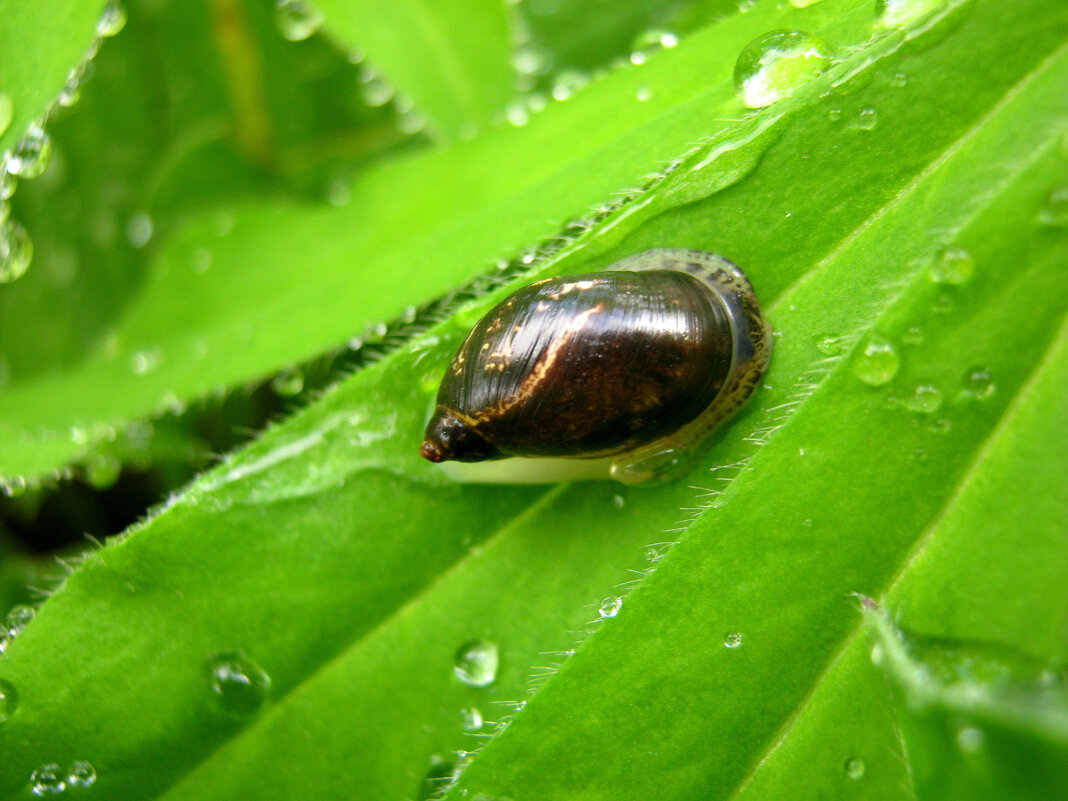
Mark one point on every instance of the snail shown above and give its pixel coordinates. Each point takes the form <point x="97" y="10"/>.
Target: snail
<point x="617" y="374"/>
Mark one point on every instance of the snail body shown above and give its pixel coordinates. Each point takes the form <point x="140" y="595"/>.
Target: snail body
<point x="620" y="373"/>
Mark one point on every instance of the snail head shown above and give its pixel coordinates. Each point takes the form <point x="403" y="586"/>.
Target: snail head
<point x="448" y="438"/>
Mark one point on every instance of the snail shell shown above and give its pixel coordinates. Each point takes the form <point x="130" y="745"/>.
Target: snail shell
<point x="629" y="368"/>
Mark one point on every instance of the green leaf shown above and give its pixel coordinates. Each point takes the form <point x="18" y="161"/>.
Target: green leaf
<point x="690" y="640"/>
<point x="451" y="59"/>
<point x="976" y="725"/>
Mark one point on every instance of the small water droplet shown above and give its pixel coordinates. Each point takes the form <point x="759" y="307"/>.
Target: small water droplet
<point x="834" y="114"/>
<point x="831" y="346"/>
<point x="471" y="719"/>
<point x="649" y="41"/>
<point x="531" y="61"/>
<point x="288" y="382"/>
<point x="567" y="83"/>
<point x="71" y="90"/>
<point x="1055" y="212"/>
<point x="476" y="663"/>
<point x="643" y="94"/>
<point x="876" y="362"/>
<point x="517" y="114"/>
<point x="200" y="260"/>
<point x="899" y="79"/>
<point x="803" y="3"/>
<point x="375" y="89"/>
<point x="775" y="65"/>
<point x="81" y="774"/>
<point x="17" y="619"/>
<point x="47" y="780"/>
<point x="9" y="699"/>
<point x="13" y="486"/>
<point x="953" y="266"/>
<point x="7" y="111"/>
<point x="31" y="155"/>
<point x="906" y="13"/>
<point x="146" y="361"/>
<point x="978" y="383"/>
<point x="139" y="230"/>
<point x="239" y="684"/>
<point x="618" y="501"/>
<point x="914" y="336"/>
<point x="112" y="20"/>
<point x="854" y="768"/>
<point x="970" y="739"/>
<point x="296" y="20"/>
<point x="877" y="655"/>
<point x="16" y="251"/>
<point x="8" y="182"/>
<point x="925" y="400"/>
<point x="940" y="426"/>
<point x="610" y="607"/>
<point x="867" y="119"/>
<point x="733" y="639"/>
<point x="102" y="470"/>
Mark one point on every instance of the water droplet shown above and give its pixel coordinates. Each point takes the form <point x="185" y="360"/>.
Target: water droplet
<point x="146" y="361"/>
<point x="31" y="155"/>
<point x="775" y="65"/>
<point x="970" y="739"/>
<point x="9" y="699"/>
<point x="732" y="639"/>
<point x="411" y="122"/>
<point x="906" y="13"/>
<point x="13" y="486"/>
<point x="531" y="61"/>
<point x="139" y="230"/>
<point x="239" y="684"/>
<point x="1055" y="212"/>
<point x="649" y="41"/>
<point x="899" y="79"/>
<point x="16" y="620"/>
<point x="618" y="501"/>
<point x="71" y="90"/>
<point x="8" y="182"/>
<point x="471" y="719"/>
<point x="867" y="119"/>
<point x="610" y="607"/>
<point x="16" y="251"/>
<point x="643" y="94"/>
<point x="296" y="20"/>
<point x="953" y="266"/>
<point x="978" y="383"/>
<point x="567" y="83"/>
<point x="877" y="655"/>
<point x="200" y="260"/>
<point x="831" y="346"/>
<point x="914" y="336"/>
<point x="877" y="362"/>
<point x="854" y="768"/>
<point x="112" y="20"/>
<point x="7" y="111"/>
<point x="834" y="114"/>
<point x="288" y="382"/>
<point x="102" y="470"/>
<point x="803" y="3"/>
<point x="476" y="663"/>
<point x="375" y="89"/>
<point x="81" y="774"/>
<point x="47" y="780"/>
<point x="925" y="400"/>
<point x="517" y="114"/>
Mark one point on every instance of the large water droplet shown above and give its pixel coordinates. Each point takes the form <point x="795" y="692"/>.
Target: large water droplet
<point x="296" y="20"/>
<point x="610" y="607"/>
<point x="112" y="20"/>
<point x="16" y="251"/>
<point x="926" y="399"/>
<point x="476" y="663"/>
<point x="854" y="768"/>
<point x="733" y="639"/>
<point x="47" y="780"/>
<point x="81" y="774"/>
<point x="1055" y="212"/>
<point x="776" y="65"/>
<point x="876" y="362"/>
<point x="906" y="13"/>
<point x="9" y="699"/>
<point x="32" y="154"/>
<point x="7" y="111"/>
<point x="239" y="684"/>
<point x="953" y="266"/>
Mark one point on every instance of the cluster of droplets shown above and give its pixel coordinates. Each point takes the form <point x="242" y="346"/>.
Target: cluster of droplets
<point x="32" y="154"/>
<point x="50" y="779"/>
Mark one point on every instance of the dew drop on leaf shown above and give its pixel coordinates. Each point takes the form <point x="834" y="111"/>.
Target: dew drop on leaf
<point x="296" y="20"/>
<point x="139" y="230"/>
<point x="81" y="774"/>
<point x="906" y="13"/>
<point x="112" y="20"/>
<point x="970" y="739"/>
<point x="288" y="382"/>
<point x="9" y="698"/>
<point x="953" y="266"/>
<point x="867" y="119"/>
<point x="854" y="768"/>
<point x="978" y="383"/>
<point x="925" y="400"/>
<point x="471" y="719"/>
<point x="31" y="155"/>
<point x="733" y="639"/>
<point x="47" y="780"/>
<point x="876" y="362"/>
<point x="775" y="65"/>
<point x="610" y="607"/>
<point x="239" y="685"/>
<point x="16" y="251"/>
<point x="476" y="663"/>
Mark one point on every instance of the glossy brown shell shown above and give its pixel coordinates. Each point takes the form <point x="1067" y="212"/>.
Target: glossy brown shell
<point x="599" y="364"/>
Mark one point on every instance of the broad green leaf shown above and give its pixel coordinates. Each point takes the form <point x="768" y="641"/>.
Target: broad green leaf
<point x="977" y="722"/>
<point x="351" y="574"/>
<point x="41" y="42"/>
<point x="452" y="59"/>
